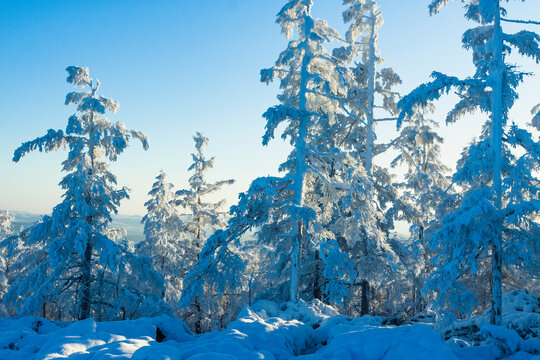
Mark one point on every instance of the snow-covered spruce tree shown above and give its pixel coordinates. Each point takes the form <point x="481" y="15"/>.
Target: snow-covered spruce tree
<point x="203" y="217"/>
<point x="309" y="78"/>
<point x="425" y="182"/>
<point x="163" y="230"/>
<point x="495" y="209"/>
<point x="128" y="295"/>
<point x="76" y="235"/>
<point x="283" y="213"/>
<point x="370" y="92"/>
<point x="18" y="258"/>
<point x="6" y="226"/>
<point x="6" y="230"/>
<point x="369" y="99"/>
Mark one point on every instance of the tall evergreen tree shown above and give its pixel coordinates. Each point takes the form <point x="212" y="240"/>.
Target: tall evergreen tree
<point x="307" y="73"/>
<point x="203" y="217"/>
<point x="284" y="213"/>
<point x="369" y="99"/>
<point x="77" y="235"/>
<point x="494" y="208"/>
<point x="421" y="191"/>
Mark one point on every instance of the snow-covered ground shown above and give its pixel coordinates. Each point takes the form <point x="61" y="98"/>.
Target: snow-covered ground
<point x="270" y="331"/>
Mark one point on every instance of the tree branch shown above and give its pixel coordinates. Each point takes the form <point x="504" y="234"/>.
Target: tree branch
<point x="532" y="22"/>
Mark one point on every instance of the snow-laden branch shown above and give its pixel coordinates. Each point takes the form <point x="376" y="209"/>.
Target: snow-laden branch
<point x="326" y="181"/>
<point x="431" y="91"/>
<point x="532" y="22"/>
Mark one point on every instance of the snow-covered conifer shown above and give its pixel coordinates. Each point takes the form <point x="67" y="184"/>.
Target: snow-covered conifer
<point x="310" y="79"/>
<point x="202" y="217"/>
<point x="76" y="236"/>
<point x="369" y="99"/>
<point x="496" y="204"/>
<point x="6" y="226"/>
<point x="287" y="215"/>
<point x="418" y="148"/>
<point x="6" y="230"/>
<point x="163" y="230"/>
<point x="425" y="182"/>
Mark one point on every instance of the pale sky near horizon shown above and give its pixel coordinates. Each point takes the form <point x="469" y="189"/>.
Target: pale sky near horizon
<point x="178" y="67"/>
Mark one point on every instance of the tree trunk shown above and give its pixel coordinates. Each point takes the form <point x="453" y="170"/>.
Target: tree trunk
<point x="198" y="320"/>
<point x="86" y="270"/>
<point x="163" y="271"/>
<point x="318" y="287"/>
<point x="370" y="141"/>
<point x="496" y="82"/>
<point x="364" y="303"/>
<point x="370" y="117"/>
<point x="295" y="262"/>
<point x="86" y="282"/>
<point x="300" y="171"/>
<point x="196" y="302"/>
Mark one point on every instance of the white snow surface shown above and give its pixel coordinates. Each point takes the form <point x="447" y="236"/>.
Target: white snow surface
<point x="263" y="331"/>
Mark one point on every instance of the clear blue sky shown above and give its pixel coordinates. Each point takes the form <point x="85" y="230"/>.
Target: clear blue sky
<point x="182" y="66"/>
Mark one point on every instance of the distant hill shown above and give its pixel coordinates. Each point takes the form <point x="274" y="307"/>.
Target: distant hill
<point x="130" y="223"/>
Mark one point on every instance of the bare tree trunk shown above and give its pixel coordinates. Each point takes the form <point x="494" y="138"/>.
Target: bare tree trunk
<point x="86" y="282"/>
<point x="198" y="320"/>
<point x="364" y="303"/>
<point x="318" y="287"/>
<point x="196" y="302"/>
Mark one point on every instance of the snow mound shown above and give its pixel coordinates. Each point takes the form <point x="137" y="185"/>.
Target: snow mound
<point x="501" y="343"/>
<point x="309" y="313"/>
<point x="36" y="338"/>
<point x="520" y="313"/>
<point x="367" y="342"/>
<point x="519" y="301"/>
<point x="264" y="330"/>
